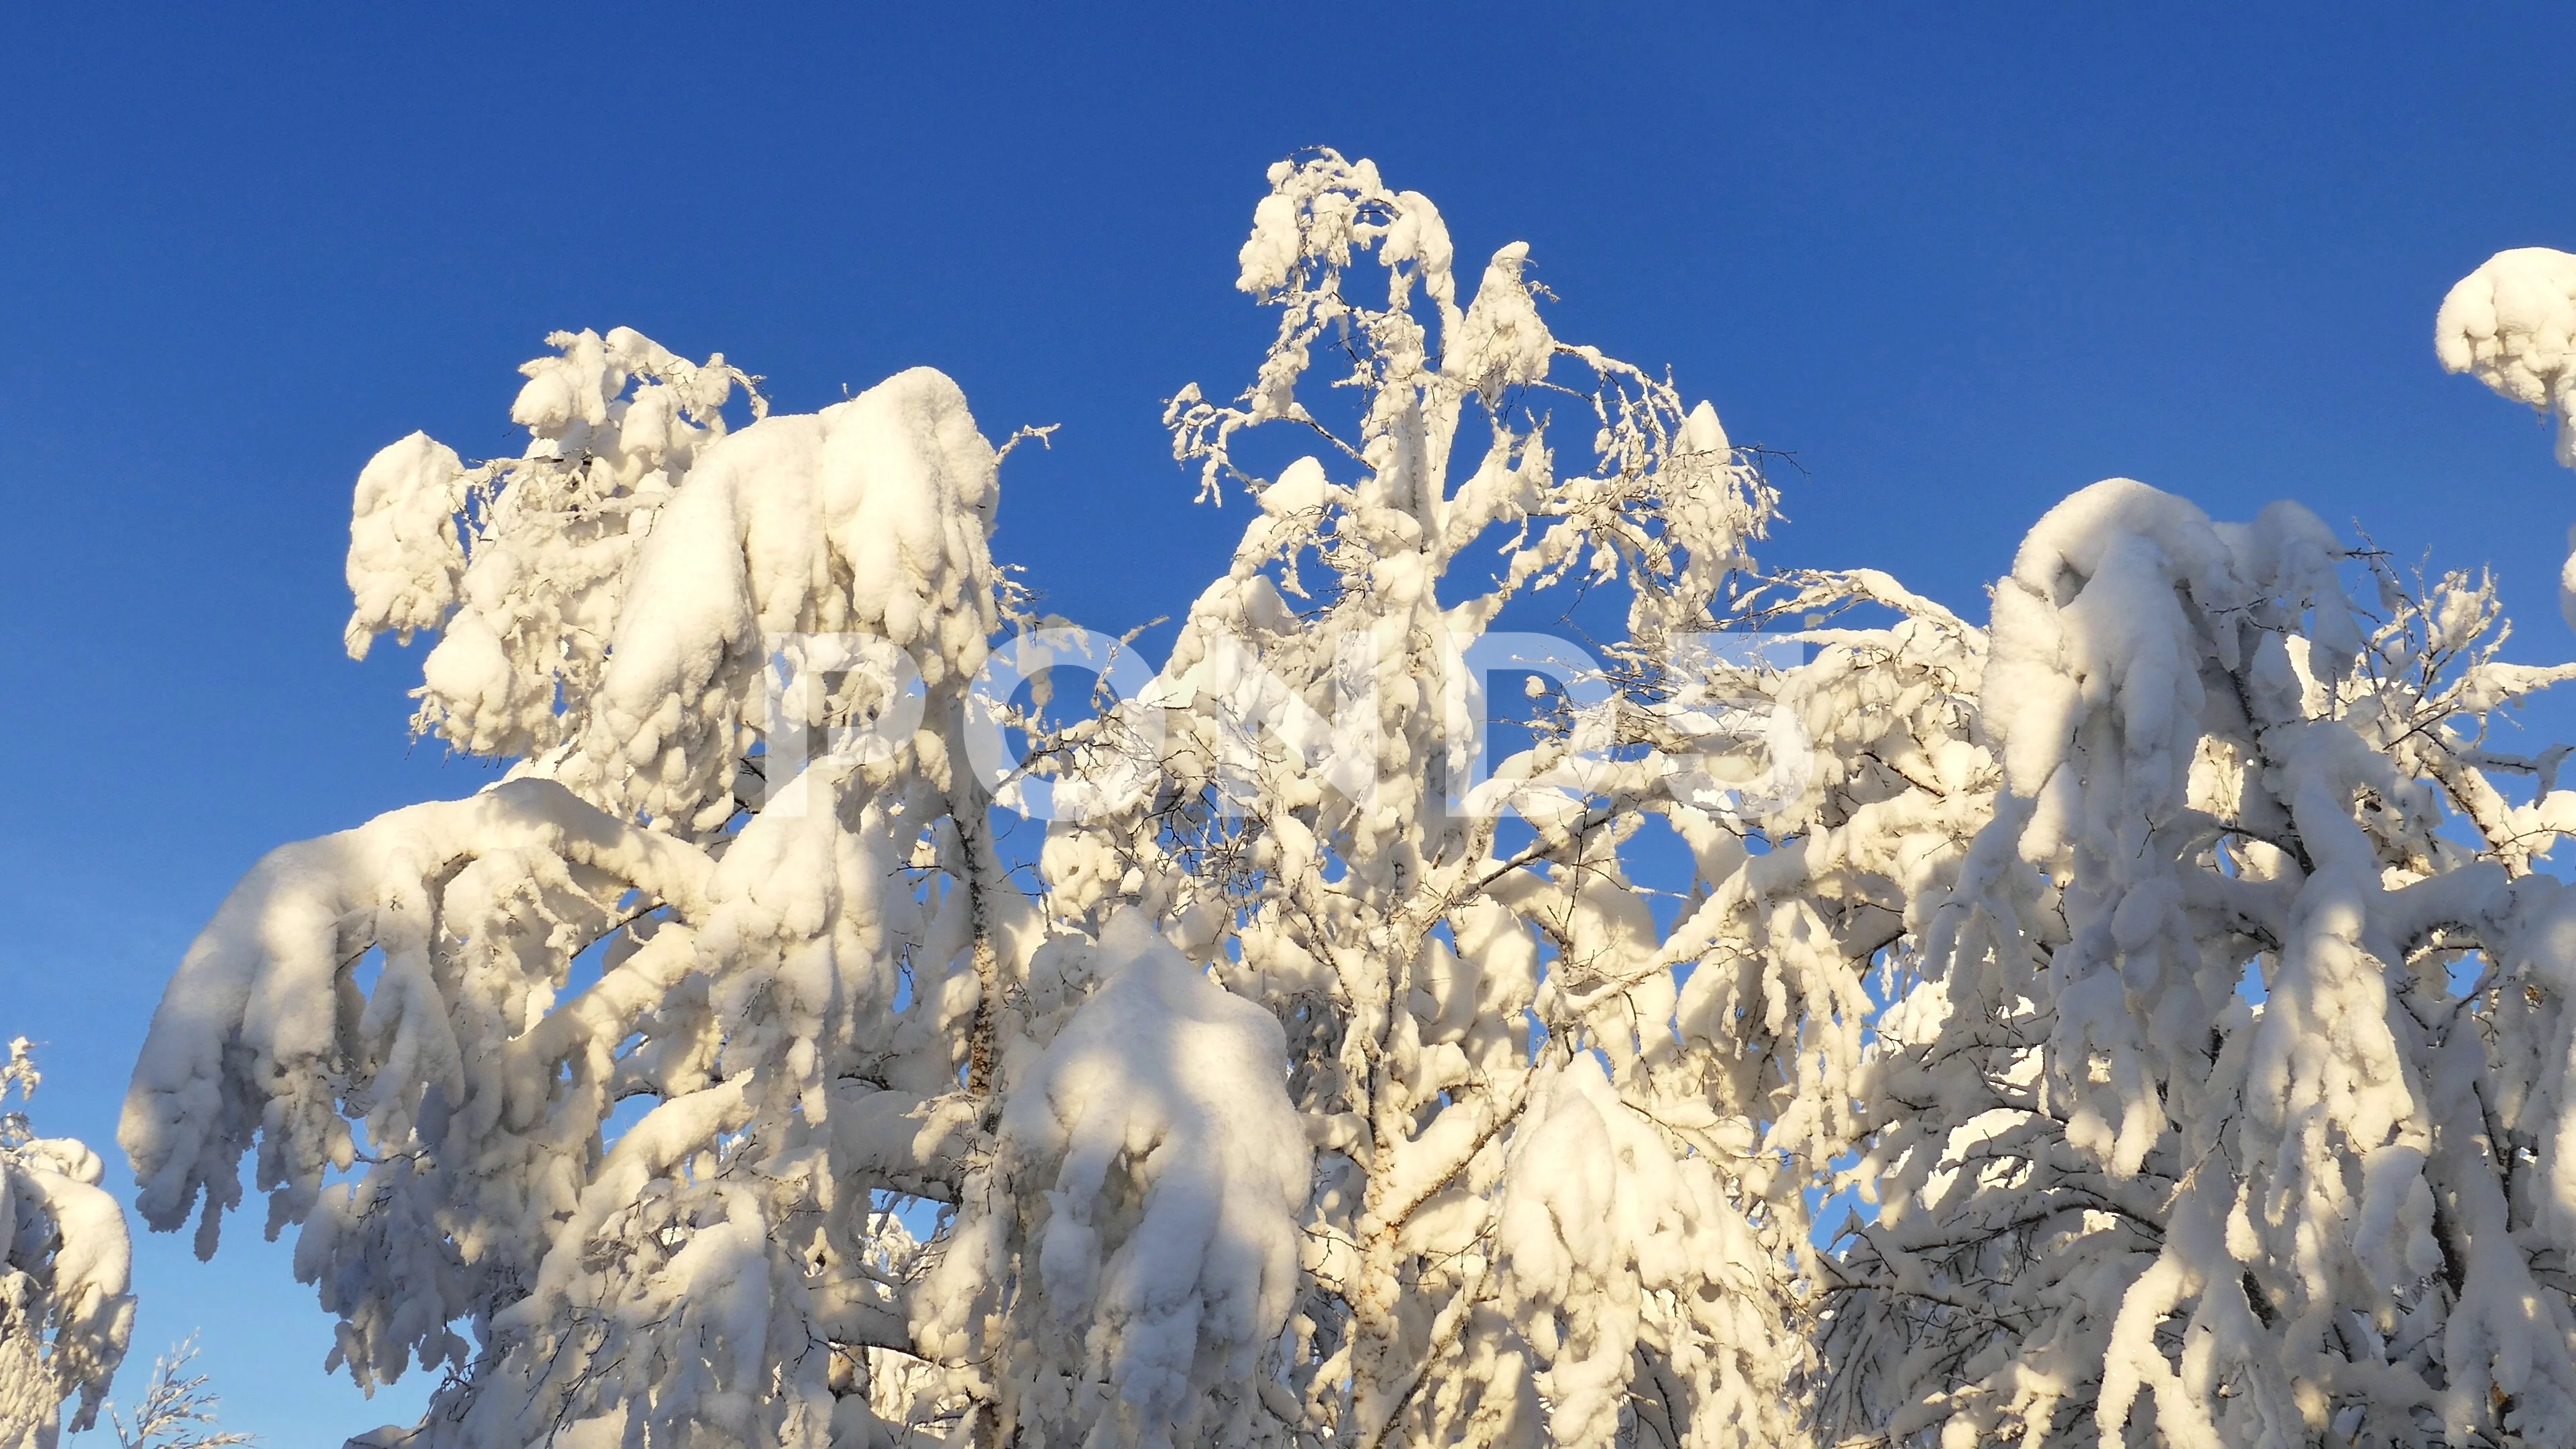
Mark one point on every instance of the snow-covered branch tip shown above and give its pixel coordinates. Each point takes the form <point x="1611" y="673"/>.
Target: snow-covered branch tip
<point x="66" y="1264"/>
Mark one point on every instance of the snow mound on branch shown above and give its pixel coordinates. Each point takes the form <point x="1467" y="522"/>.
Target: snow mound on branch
<point x="2512" y="325"/>
<point x="65" y="1266"/>
<point x="1599" y="1218"/>
<point x="2094" y="693"/>
<point x="1185" y="1268"/>
<point x="892" y="491"/>
<point x="1156" y="1131"/>
<point x="603" y="601"/>
<point x="404" y="552"/>
<point x="250" y="1038"/>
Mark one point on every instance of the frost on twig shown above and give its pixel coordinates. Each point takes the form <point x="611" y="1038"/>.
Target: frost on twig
<point x="178" y="1410"/>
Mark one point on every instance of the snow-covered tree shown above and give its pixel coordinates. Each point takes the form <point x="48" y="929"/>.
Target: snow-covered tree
<point x="2165" y="962"/>
<point x="2218" y="1099"/>
<point x="2221" y="1094"/>
<point x="65" y="1262"/>
<point x="1544" y="1175"/>
<point x="587" y="1066"/>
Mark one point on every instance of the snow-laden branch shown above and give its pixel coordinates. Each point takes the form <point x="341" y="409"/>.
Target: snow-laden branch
<point x="66" y="1264"/>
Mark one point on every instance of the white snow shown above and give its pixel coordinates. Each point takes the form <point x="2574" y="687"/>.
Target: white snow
<point x="66" y="1267"/>
<point x="2168" y="964"/>
<point x="2511" y="324"/>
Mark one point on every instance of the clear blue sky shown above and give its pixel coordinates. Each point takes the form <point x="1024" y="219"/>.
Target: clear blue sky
<point x="1959" y="267"/>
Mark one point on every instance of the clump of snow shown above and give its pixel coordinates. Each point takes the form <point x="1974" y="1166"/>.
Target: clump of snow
<point x="1604" y="1232"/>
<point x="66" y="1268"/>
<point x="2512" y="325"/>
<point x="1156" y="1130"/>
<point x="605" y="603"/>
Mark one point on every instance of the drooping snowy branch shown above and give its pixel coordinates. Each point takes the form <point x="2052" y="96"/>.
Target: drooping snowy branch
<point x="1156" y="1128"/>
<point x="2202" y="1121"/>
<point x="66" y="1311"/>
<point x="592" y="1088"/>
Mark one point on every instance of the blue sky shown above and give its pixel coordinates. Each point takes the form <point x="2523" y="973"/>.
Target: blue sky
<point x="1959" y="267"/>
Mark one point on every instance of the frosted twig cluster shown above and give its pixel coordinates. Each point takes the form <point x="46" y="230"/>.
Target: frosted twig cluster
<point x="178" y="1408"/>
